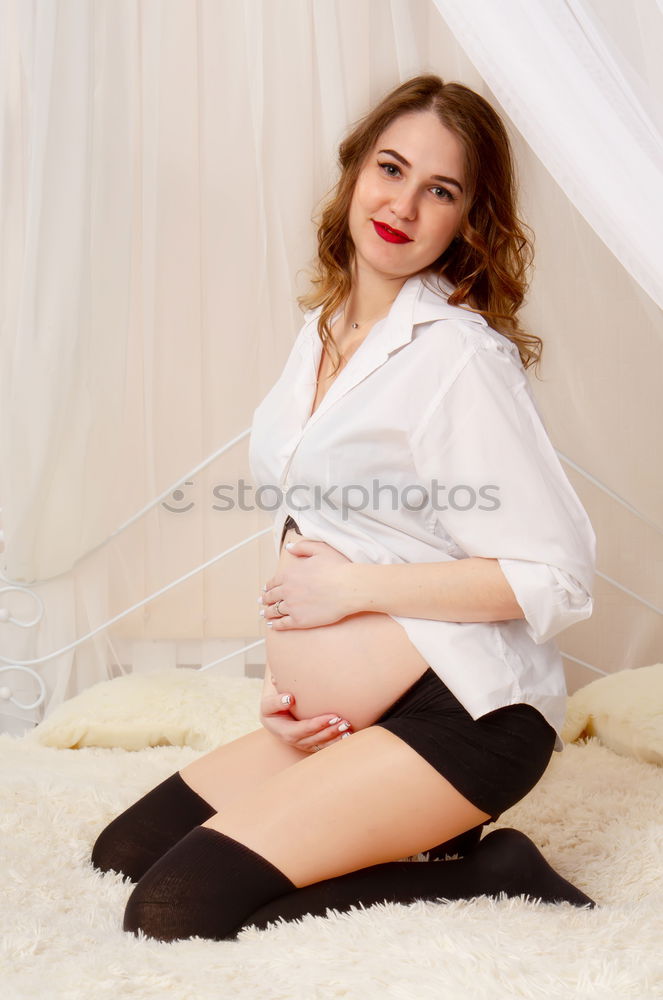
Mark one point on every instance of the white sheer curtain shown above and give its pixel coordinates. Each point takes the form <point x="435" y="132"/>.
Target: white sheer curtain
<point x="160" y="164"/>
<point x="555" y="72"/>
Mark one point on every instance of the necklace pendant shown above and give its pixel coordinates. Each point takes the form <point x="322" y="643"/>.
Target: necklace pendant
<point x="355" y="326"/>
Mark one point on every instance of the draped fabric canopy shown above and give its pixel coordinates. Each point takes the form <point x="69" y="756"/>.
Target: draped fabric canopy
<point x="160" y="169"/>
<point x="554" y="70"/>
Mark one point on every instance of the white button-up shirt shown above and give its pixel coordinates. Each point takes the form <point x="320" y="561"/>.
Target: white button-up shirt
<point x="427" y="447"/>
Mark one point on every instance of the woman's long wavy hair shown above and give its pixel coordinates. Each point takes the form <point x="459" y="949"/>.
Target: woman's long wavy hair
<point x="487" y="264"/>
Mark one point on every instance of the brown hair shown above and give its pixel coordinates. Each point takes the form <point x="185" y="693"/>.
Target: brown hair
<point x="487" y="263"/>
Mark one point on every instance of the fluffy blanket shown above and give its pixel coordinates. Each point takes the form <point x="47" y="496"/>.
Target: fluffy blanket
<point x="596" y="817"/>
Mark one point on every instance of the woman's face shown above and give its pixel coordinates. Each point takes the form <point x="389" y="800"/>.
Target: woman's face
<point x="412" y="181"/>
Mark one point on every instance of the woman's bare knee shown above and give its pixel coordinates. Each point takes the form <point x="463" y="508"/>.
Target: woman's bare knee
<point x="234" y="768"/>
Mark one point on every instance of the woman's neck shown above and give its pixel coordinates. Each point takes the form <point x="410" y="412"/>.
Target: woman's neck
<point x="370" y="298"/>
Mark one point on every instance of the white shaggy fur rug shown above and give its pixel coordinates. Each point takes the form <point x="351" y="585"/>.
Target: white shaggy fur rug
<point x="597" y="817"/>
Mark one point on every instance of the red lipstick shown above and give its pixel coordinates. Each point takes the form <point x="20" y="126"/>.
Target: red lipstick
<point x="389" y="234"/>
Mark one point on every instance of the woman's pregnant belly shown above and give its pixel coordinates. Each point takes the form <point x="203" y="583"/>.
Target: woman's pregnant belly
<point x="355" y="668"/>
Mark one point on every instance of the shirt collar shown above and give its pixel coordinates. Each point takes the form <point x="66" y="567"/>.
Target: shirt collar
<point x="417" y="303"/>
<point x="414" y="304"/>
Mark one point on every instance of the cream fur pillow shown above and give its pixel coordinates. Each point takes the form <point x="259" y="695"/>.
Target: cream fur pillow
<point x="624" y="710"/>
<point x="176" y="707"/>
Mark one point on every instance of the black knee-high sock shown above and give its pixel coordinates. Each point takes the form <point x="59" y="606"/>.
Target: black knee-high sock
<point x="505" y="861"/>
<point x="210" y="885"/>
<point x="146" y="830"/>
<point x="204" y="886"/>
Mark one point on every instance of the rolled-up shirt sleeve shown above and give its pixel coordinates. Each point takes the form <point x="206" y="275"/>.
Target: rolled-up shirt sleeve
<point x="551" y="599"/>
<point x="499" y="491"/>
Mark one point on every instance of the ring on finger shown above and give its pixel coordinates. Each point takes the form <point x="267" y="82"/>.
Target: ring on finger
<point x="316" y="747"/>
<point x="280" y="613"/>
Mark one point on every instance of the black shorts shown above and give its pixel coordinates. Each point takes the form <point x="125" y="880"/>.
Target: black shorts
<point x="493" y="761"/>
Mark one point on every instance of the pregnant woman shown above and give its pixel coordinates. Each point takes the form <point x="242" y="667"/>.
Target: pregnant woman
<point x="429" y="549"/>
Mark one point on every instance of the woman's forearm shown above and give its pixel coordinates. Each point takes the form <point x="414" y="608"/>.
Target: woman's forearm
<point x="465" y="590"/>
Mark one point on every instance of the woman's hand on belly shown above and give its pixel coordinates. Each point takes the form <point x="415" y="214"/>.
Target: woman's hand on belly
<point x="312" y="582"/>
<point x="303" y="734"/>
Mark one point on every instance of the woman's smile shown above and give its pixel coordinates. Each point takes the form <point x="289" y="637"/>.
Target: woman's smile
<point x="389" y="234"/>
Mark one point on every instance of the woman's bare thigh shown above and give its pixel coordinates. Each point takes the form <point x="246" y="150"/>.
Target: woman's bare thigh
<point x="358" y="802"/>
<point x="237" y="767"/>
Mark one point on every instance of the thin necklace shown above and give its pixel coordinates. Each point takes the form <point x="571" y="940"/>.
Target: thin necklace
<point x="355" y="326"/>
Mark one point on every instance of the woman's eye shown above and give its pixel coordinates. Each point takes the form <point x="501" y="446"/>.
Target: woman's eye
<point x="391" y="166"/>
